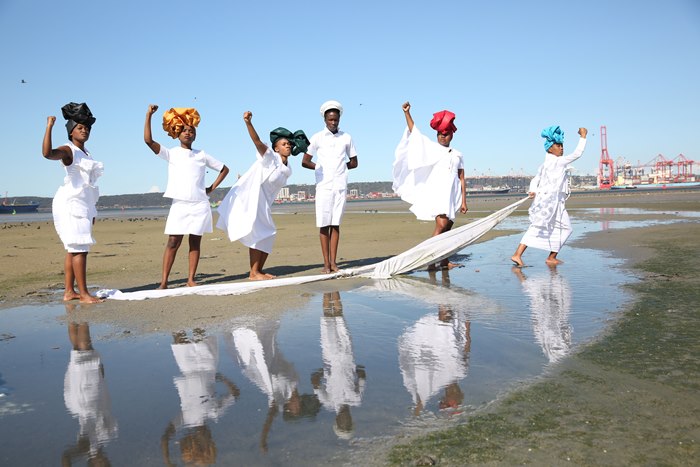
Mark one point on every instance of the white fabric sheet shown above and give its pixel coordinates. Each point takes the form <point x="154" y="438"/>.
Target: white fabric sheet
<point x="427" y="252"/>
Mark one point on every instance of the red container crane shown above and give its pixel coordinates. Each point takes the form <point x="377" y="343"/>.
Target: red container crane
<point x="606" y="169"/>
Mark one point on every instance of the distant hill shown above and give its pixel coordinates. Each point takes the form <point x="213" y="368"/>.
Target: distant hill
<point x="153" y="200"/>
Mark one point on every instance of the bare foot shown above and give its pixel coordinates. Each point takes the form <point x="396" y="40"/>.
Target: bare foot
<point x="269" y="276"/>
<point x="326" y="270"/>
<point x="191" y="283"/>
<point x="90" y="299"/>
<point x="163" y="285"/>
<point x="334" y="268"/>
<point x="258" y="276"/>
<point x="70" y="295"/>
<point x="517" y="260"/>
<point x="449" y="266"/>
<point x="553" y="262"/>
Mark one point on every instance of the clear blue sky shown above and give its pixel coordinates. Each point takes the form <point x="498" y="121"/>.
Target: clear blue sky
<point x="506" y="68"/>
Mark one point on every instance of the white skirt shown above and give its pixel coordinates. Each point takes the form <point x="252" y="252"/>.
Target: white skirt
<point x="549" y="238"/>
<point x="189" y="218"/>
<point x="330" y="205"/>
<point x="73" y="223"/>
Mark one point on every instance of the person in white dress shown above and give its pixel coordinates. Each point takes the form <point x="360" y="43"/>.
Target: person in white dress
<point x="550" y="226"/>
<point x="335" y="154"/>
<point x="74" y="205"/>
<point x="430" y="175"/>
<point x="245" y="213"/>
<point x="190" y="212"/>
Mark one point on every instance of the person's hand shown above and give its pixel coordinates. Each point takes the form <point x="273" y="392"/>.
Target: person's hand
<point x="531" y="194"/>
<point x="464" y="208"/>
<point x="406" y="106"/>
<point x="582" y="132"/>
<point x="247" y="116"/>
<point x="152" y="109"/>
<point x="208" y="190"/>
<point x="50" y="121"/>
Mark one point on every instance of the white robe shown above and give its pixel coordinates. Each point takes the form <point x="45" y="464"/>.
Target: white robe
<point x="74" y="204"/>
<point x="550" y="226"/>
<point x="245" y="213"/>
<point x="426" y="176"/>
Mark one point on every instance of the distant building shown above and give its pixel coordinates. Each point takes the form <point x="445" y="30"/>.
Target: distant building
<point x="301" y="195"/>
<point x="354" y="193"/>
<point x="283" y="195"/>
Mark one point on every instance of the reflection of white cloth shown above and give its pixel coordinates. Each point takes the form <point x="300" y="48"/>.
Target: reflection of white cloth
<point x="341" y="384"/>
<point x="245" y="212"/>
<point x="74" y="203"/>
<point x="87" y="398"/>
<point x="550" y="226"/>
<point x="432" y="355"/>
<point x="263" y="363"/>
<point x="550" y="303"/>
<point x="188" y="218"/>
<point x="425" y="176"/>
<point x="198" y="400"/>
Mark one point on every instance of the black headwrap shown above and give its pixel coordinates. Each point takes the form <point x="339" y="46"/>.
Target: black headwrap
<point x="300" y="143"/>
<point x="77" y="114"/>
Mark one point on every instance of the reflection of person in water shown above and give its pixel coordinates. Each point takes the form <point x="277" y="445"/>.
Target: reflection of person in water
<point x="434" y="355"/>
<point x="264" y="364"/>
<point x="87" y="399"/>
<point x="198" y="359"/>
<point x="550" y="303"/>
<point x="340" y="383"/>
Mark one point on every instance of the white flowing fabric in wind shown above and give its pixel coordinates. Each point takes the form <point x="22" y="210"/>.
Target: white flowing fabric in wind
<point x="425" y="253"/>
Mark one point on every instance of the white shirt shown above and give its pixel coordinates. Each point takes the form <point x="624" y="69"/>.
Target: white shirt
<point x="332" y="152"/>
<point x="186" y="170"/>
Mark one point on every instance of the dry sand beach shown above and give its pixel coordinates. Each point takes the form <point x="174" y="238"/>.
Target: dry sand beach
<point x="630" y="397"/>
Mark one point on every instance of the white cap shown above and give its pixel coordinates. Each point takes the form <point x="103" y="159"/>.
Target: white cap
<point x="329" y="105"/>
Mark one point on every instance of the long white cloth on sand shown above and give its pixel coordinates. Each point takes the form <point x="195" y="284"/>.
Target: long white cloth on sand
<point x="425" y="253"/>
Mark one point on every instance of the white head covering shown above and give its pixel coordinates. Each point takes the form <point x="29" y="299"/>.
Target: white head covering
<point x="329" y="105"/>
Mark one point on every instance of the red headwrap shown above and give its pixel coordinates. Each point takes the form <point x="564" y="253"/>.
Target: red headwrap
<point x="443" y="122"/>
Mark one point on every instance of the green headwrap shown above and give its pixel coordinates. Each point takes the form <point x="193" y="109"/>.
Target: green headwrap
<point x="300" y="143"/>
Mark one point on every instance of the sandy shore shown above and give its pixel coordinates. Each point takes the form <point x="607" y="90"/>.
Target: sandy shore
<point x="129" y="251"/>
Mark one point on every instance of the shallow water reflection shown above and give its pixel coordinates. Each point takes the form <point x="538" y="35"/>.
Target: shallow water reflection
<point x="354" y="363"/>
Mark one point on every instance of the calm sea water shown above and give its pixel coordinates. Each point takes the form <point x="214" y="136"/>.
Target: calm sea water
<point x="353" y="364"/>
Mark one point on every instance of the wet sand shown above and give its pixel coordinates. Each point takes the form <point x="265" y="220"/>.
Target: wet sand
<point x="629" y="398"/>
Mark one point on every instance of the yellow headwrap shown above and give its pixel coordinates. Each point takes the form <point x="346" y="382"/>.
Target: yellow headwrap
<point x="175" y="119"/>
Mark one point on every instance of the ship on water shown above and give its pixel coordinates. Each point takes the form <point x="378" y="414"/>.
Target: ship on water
<point x="17" y="208"/>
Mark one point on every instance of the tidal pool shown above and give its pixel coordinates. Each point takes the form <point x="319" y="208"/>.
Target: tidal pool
<point x="354" y="363"/>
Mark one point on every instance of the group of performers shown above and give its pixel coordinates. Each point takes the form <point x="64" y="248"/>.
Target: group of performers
<point x="427" y="174"/>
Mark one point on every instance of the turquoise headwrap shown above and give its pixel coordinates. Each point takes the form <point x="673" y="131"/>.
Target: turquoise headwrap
<point x="300" y="143"/>
<point x="552" y="135"/>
